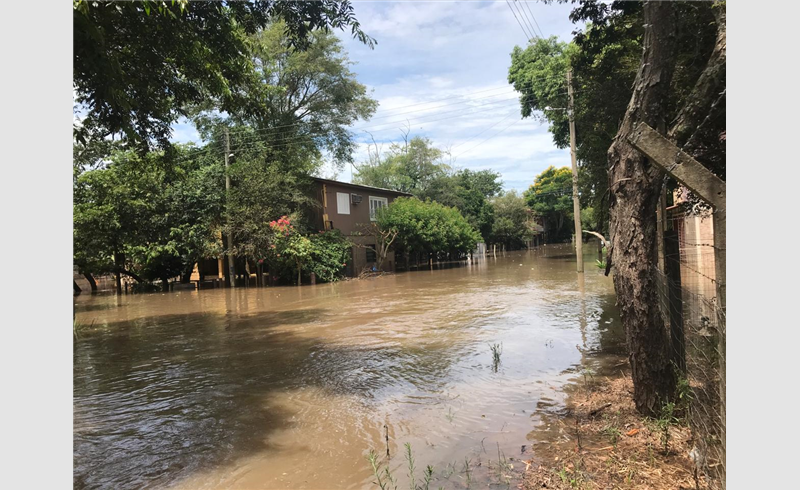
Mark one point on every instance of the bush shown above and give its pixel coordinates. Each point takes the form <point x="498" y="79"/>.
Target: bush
<point x="428" y="226"/>
<point x="295" y="256"/>
<point x="329" y="255"/>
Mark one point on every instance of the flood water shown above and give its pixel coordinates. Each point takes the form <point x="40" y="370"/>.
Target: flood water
<point x="290" y="387"/>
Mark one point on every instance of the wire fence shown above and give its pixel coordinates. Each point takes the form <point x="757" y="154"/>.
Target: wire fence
<point x="696" y="325"/>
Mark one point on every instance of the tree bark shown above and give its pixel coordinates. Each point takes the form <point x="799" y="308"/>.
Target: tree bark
<point x="76" y="290"/>
<point x="635" y="184"/>
<point x="92" y="282"/>
<point x="708" y="89"/>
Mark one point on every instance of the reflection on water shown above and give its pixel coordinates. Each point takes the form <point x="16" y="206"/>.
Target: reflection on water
<point x="289" y="387"/>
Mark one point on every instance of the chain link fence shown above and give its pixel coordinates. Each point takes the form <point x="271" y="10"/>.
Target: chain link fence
<point x="688" y="299"/>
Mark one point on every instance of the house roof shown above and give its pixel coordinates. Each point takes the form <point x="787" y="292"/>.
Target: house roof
<point x="358" y="186"/>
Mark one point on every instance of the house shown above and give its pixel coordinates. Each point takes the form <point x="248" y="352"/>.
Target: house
<point x="351" y="208"/>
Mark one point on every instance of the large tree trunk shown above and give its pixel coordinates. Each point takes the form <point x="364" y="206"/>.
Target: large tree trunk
<point x="75" y="288"/>
<point x="92" y="282"/>
<point x="635" y="184"/>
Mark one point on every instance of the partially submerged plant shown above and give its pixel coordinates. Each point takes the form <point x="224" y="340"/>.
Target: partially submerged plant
<point x="497" y="350"/>
<point x="383" y="476"/>
<point x="410" y="461"/>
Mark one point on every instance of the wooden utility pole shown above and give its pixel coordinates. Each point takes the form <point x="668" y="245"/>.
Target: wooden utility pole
<point x="576" y="204"/>
<point x="231" y="266"/>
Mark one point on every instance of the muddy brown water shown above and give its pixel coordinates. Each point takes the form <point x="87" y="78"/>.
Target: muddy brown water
<point x="290" y="387"/>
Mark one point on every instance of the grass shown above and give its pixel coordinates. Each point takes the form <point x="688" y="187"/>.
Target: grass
<point x="497" y="351"/>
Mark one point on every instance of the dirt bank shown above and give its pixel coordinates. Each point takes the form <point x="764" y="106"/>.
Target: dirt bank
<point x="601" y="442"/>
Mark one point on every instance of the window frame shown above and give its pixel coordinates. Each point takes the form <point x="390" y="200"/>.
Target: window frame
<point x="373" y="215"/>
<point x="339" y="207"/>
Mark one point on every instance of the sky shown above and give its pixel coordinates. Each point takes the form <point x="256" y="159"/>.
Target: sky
<point x="441" y="67"/>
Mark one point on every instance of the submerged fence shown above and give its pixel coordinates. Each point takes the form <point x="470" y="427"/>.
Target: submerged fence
<point x="696" y="324"/>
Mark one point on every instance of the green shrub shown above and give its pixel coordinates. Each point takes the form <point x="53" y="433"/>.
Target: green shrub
<point x="329" y="255"/>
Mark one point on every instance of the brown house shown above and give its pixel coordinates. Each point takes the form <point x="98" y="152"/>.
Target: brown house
<point x="350" y="208"/>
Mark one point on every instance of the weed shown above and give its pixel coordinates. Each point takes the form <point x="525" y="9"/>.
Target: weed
<point x="601" y="264"/>
<point x="428" y="476"/>
<point x="665" y="420"/>
<point x="613" y="433"/>
<point x="450" y="415"/>
<point x="410" y="461"/>
<point x="466" y="470"/>
<point x="683" y="393"/>
<point x="497" y="350"/>
<point x="383" y="477"/>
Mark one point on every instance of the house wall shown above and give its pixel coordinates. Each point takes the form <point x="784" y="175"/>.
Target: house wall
<point x="352" y="225"/>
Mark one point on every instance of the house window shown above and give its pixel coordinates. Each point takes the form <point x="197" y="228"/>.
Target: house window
<point x="375" y="203"/>
<point x="372" y="256"/>
<point x="342" y="203"/>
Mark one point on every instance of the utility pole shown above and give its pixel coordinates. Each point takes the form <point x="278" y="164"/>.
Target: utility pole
<point x="576" y="204"/>
<point x="231" y="267"/>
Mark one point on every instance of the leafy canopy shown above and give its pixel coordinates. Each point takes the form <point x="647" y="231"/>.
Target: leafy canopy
<point x="138" y="65"/>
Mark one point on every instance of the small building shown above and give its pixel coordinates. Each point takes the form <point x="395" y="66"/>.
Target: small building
<point x="351" y="208"/>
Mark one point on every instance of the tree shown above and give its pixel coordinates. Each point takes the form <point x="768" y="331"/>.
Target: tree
<point x="300" y="106"/>
<point x="148" y="217"/>
<point x="550" y="196"/>
<point x="678" y="68"/>
<point x="297" y="101"/>
<point x="411" y="167"/>
<point x="636" y="184"/>
<point x="384" y="238"/>
<point x="425" y="226"/>
<point x="511" y="220"/>
<point x="469" y="191"/>
<point x="138" y="65"/>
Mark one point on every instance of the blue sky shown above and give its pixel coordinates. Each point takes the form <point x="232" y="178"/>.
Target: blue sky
<point x="443" y="65"/>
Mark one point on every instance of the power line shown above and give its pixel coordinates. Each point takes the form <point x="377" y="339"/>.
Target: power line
<point x="487" y="129"/>
<point x="527" y="36"/>
<point x="491" y="105"/>
<point x="487" y="139"/>
<point x="525" y="19"/>
<point x="550" y="77"/>
<point x="534" y="18"/>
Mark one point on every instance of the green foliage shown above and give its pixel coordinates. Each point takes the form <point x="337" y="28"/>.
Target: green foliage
<point x="417" y="167"/>
<point x="293" y="254"/>
<point x="512" y="217"/>
<point x="297" y="104"/>
<point x="137" y="65"/>
<point x="468" y="191"/>
<point x="605" y="57"/>
<point x="329" y="255"/>
<point x="550" y="196"/>
<point x="425" y="226"/>
<point x="411" y="167"/>
<point x="383" y="476"/>
<point x="665" y="420"/>
<point x="153" y="216"/>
